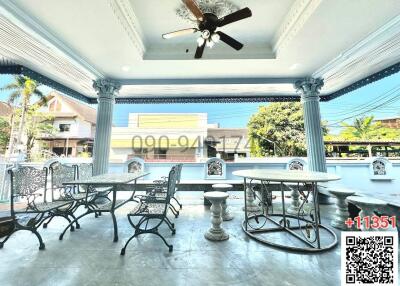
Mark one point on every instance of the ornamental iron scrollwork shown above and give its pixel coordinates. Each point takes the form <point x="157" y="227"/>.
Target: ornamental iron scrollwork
<point x="214" y="168"/>
<point x="219" y="8"/>
<point x="308" y="214"/>
<point x="28" y="180"/>
<point x="296" y="165"/>
<point x="379" y="167"/>
<point x="61" y="174"/>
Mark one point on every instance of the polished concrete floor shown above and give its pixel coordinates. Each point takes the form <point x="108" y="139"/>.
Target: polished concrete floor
<point x="89" y="257"/>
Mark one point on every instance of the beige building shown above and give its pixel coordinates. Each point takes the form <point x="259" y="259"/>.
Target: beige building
<point x="184" y="137"/>
<point x="75" y="123"/>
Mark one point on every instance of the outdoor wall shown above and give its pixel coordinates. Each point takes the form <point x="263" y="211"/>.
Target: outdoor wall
<point x="354" y="174"/>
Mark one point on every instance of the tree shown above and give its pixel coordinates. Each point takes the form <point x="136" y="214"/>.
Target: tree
<point x="4" y="134"/>
<point x="365" y="128"/>
<point x="279" y="124"/>
<point x="22" y="90"/>
<point x="38" y="124"/>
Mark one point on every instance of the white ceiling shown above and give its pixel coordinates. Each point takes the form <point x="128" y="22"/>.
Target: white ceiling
<point x="77" y="41"/>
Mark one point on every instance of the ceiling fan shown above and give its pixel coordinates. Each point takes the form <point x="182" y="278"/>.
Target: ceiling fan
<point x="208" y="23"/>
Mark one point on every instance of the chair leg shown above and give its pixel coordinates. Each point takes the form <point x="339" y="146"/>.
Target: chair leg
<point x="170" y="225"/>
<point x="4" y="241"/>
<point x="129" y="240"/>
<point x="77" y="225"/>
<point x="174" y="211"/>
<point x="170" y="247"/>
<point x="176" y="200"/>
<point x="41" y="244"/>
<point x="46" y="223"/>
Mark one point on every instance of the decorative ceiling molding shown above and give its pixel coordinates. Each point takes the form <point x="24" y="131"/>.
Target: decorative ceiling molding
<point x="219" y="8"/>
<point x="377" y="51"/>
<point x="220" y="99"/>
<point x="14" y="14"/>
<point x="7" y="68"/>
<point x="123" y="10"/>
<point x="293" y="22"/>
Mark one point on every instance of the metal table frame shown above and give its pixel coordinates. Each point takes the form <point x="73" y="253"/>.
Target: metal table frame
<point x="308" y="222"/>
<point x="116" y="186"/>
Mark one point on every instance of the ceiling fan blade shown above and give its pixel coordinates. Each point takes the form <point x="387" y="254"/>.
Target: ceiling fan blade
<point x="235" y="16"/>
<point x="194" y="8"/>
<point x="199" y="51"/>
<point x="179" y="33"/>
<point x="230" y="41"/>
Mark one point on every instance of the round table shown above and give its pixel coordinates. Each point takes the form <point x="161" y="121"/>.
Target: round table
<point x="305" y="226"/>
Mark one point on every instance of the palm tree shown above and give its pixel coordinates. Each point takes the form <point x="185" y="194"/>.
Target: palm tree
<point x="22" y="90"/>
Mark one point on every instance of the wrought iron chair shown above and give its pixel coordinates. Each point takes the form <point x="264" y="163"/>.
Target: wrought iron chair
<point x="85" y="171"/>
<point x="59" y="174"/>
<point x="152" y="208"/>
<point x="159" y="189"/>
<point x="30" y="183"/>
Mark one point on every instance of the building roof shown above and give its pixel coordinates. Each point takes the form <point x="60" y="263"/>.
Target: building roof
<point x="82" y="110"/>
<point x="5" y="109"/>
<point x="387" y="118"/>
<point x="362" y="142"/>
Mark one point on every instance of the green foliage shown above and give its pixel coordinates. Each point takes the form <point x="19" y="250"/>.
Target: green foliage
<point x="22" y="90"/>
<point x="5" y="130"/>
<point x="365" y="128"/>
<point x="279" y="123"/>
<point x="37" y="124"/>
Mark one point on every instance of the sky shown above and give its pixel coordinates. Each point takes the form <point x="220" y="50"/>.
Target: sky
<point x="381" y="99"/>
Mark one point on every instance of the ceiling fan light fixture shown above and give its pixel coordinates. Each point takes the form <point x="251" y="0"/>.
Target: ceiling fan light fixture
<point x="200" y="41"/>
<point x="215" y="38"/>
<point x="210" y="43"/>
<point x="205" y="34"/>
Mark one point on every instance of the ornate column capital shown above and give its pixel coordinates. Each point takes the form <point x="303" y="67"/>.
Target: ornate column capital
<point x="309" y="88"/>
<point x="106" y="88"/>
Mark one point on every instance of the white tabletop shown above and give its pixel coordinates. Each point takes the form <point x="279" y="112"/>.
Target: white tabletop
<point x="285" y="175"/>
<point x="108" y="179"/>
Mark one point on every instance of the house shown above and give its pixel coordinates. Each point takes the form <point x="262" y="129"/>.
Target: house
<point x="392" y="122"/>
<point x="187" y="137"/>
<point x="75" y="123"/>
<point x="5" y="109"/>
<point x="160" y="137"/>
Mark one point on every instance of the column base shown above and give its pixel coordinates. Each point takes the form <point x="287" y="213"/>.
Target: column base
<point x="227" y="216"/>
<point x="324" y="199"/>
<point x="216" y="235"/>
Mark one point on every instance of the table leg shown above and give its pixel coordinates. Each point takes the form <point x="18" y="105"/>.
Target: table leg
<point x="245" y="202"/>
<point x="114" y="199"/>
<point x="317" y="213"/>
<point x="251" y="206"/>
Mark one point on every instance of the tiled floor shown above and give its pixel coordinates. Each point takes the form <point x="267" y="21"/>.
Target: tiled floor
<point x="89" y="257"/>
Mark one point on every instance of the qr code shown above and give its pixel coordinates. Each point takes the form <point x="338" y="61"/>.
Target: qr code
<point x="369" y="258"/>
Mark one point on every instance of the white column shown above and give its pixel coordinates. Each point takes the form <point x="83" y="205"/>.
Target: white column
<point x="309" y="89"/>
<point x="106" y="90"/>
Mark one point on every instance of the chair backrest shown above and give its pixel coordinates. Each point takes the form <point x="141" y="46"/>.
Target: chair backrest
<point x="135" y="165"/>
<point x="24" y="181"/>
<point x="59" y="174"/>
<point x="171" y="183"/>
<point x="179" y="171"/>
<point x="84" y="171"/>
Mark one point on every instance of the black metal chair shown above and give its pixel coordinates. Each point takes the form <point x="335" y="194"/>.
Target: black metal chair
<point x="60" y="174"/>
<point x="152" y="208"/>
<point x="85" y="171"/>
<point x="159" y="189"/>
<point x="30" y="183"/>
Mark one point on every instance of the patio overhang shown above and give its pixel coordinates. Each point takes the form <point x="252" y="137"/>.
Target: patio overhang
<point x="293" y="50"/>
<point x="303" y="39"/>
